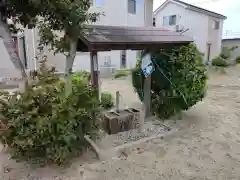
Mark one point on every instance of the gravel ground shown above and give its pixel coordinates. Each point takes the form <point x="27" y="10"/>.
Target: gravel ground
<point x="114" y="140"/>
<point x="206" y="148"/>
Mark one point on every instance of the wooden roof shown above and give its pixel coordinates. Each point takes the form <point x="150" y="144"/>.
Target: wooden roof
<point x="106" y="38"/>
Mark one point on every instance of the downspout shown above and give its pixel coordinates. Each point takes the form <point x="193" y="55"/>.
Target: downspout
<point x="34" y="51"/>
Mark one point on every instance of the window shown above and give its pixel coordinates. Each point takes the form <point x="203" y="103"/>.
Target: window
<point x="100" y="3"/>
<point x="132" y="6"/>
<point x="94" y="19"/>
<point x="107" y="61"/>
<point x="166" y="20"/>
<point x="169" y="20"/>
<point x="216" y="25"/>
<point x="154" y="22"/>
<point x="172" y="20"/>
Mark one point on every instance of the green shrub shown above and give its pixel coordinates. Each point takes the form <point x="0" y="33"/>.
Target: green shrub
<point x="178" y="82"/>
<point x="107" y="100"/>
<point x="122" y="73"/>
<point x="227" y="51"/>
<point x="219" y="61"/>
<point x="238" y="59"/>
<point x="224" y="55"/>
<point x="42" y="123"/>
<point x="81" y="75"/>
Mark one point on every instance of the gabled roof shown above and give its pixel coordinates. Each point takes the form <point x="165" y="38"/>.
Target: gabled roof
<point x="193" y="8"/>
<point x="107" y="38"/>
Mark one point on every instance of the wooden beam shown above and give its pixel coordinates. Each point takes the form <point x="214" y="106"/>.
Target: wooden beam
<point x="147" y="97"/>
<point x="94" y="71"/>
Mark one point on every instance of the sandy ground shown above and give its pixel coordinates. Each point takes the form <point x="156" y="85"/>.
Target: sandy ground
<point x="206" y="148"/>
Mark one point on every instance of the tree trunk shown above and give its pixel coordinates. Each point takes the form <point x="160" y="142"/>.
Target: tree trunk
<point x="68" y="69"/>
<point x="8" y="42"/>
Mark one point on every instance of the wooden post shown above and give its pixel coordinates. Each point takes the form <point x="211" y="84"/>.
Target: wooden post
<point x="117" y="100"/>
<point x="94" y="71"/>
<point x="147" y="97"/>
<point x="147" y="68"/>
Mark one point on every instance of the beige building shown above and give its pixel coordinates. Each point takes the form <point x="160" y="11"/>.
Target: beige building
<point x="116" y="13"/>
<point x="204" y="26"/>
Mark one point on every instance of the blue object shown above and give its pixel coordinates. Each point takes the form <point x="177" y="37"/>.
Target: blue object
<point x="147" y="71"/>
<point x="147" y="65"/>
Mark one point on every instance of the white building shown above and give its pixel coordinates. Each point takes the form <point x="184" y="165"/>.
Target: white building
<point x="204" y="26"/>
<point x="116" y="13"/>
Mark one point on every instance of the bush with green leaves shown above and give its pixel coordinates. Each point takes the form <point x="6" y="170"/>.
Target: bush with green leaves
<point x="238" y="59"/>
<point x="178" y="82"/>
<point x="219" y="62"/>
<point x="81" y="76"/>
<point x="107" y="100"/>
<point x="227" y="52"/>
<point x="122" y="73"/>
<point x="42" y="123"/>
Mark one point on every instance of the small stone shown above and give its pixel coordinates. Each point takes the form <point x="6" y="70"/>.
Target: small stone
<point x="228" y="155"/>
<point x="81" y="171"/>
<point x="123" y="155"/>
<point x="6" y="169"/>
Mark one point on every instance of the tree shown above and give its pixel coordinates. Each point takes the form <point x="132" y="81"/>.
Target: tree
<point x="60" y="24"/>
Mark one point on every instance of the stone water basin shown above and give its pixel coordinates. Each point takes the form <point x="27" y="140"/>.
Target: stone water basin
<point x="114" y="122"/>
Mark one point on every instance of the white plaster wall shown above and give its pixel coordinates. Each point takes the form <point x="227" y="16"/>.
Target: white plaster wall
<point x="215" y="36"/>
<point x="7" y="68"/>
<point x="115" y="14"/>
<point x="197" y="23"/>
<point x="148" y="13"/>
<point x="168" y="10"/>
<point x="5" y="58"/>
<point x="30" y="43"/>
<point x="198" y="29"/>
<point x="32" y="40"/>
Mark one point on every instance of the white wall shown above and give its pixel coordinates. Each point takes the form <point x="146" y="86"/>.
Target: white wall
<point x="198" y="29"/>
<point x="168" y="10"/>
<point x="5" y="57"/>
<point x="148" y="12"/>
<point x="199" y="25"/>
<point x="215" y="36"/>
<point x="116" y="14"/>
<point x="7" y="68"/>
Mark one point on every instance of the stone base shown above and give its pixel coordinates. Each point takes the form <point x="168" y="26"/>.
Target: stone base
<point x="124" y="120"/>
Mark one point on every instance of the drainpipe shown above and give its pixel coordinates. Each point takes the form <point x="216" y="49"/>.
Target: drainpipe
<point x="34" y="51"/>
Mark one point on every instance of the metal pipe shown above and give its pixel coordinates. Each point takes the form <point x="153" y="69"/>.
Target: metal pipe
<point x="34" y="51"/>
